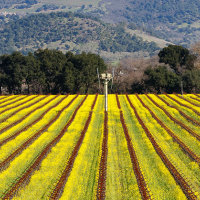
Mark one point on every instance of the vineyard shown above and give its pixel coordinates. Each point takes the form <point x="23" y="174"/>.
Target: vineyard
<point x="67" y="147"/>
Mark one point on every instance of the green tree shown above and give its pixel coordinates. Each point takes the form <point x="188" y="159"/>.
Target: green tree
<point x="51" y="63"/>
<point x="34" y="75"/>
<point x="177" y="57"/>
<point x="191" y="81"/>
<point x="2" y="78"/>
<point x="160" y="79"/>
<point x="85" y="69"/>
<point x="13" y="69"/>
<point x="65" y="79"/>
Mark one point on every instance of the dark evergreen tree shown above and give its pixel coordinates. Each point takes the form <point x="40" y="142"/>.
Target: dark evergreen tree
<point x="51" y="63"/>
<point x="177" y="57"/>
<point x="160" y="79"/>
<point x="191" y="81"/>
<point x="85" y="69"/>
<point x="13" y="69"/>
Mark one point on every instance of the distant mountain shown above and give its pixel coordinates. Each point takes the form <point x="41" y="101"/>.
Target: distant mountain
<point x="76" y="32"/>
<point x="8" y="3"/>
<point x="176" y="21"/>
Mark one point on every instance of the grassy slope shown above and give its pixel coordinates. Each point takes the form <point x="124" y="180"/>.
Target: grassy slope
<point x="92" y="46"/>
<point x="160" y="42"/>
<point x="115" y="12"/>
<point x="76" y="4"/>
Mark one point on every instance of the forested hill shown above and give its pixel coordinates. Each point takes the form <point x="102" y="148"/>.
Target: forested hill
<point x="68" y="31"/>
<point x="9" y="3"/>
<point x="139" y="11"/>
<point x="175" y="20"/>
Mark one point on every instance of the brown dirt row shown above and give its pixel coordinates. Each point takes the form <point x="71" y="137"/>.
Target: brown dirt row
<point x="21" y="119"/>
<point x="172" y="169"/>
<point x="135" y="163"/>
<point x="5" y="96"/>
<point x="36" y="135"/>
<point x="15" y="101"/>
<point x="14" y="97"/>
<point x="101" y="188"/>
<point x="187" y="100"/>
<point x="15" y="106"/>
<point x="198" y="113"/>
<point x="189" y="130"/>
<point x="42" y="155"/>
<point x="34" y="122"/>
<point x="181" y="112"/>
<point x="58" y="190"/>
<point x="4" y="119"/>
<point x="173" y="135"/>
<point x="195" y="99"/>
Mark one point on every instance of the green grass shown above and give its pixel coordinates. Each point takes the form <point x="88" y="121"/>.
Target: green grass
<point x="162" y="186"/>
<point x="183" y="25"/>
<point x="72" y="3"/>
<point x="160" y="42"/>
<point x="183" y="135"/>
<point x="75" y="5"/>
<point x="196" y="24"/>
<point x="174" y="152"/>
<point x="124" y="185"/>
<point x="187" y="111"/>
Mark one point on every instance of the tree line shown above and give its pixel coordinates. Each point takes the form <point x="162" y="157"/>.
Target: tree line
<point x="162" y="73"/>
<point x="50" y="71"/>
<point x="40" y="30"/>
<point x="181" y="68"/>
<point x="8" y="3"/>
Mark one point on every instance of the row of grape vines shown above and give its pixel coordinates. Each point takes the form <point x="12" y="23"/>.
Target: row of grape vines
<point x="67" y="147"/>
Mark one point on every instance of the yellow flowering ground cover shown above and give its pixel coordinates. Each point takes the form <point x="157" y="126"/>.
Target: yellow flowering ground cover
<point x="82" y="182"/>
<point x="171" y="149"/>
<point x="2" y="96"/>
<point x="18" y="103"/>
<point x="183" y="135"/>
<point x="160" y="181"/>
<point x="20" y="164"/>
<point x="19" y="107"/>
<point x="86" y="165"/>
<point x="188" y="97"/>
<point x="23" y="112"/>
<point x="14" y="144"/>
<point x="175" y="113"/>
<point x="121" y="182"/>
<point x="33" y="116"/>
<point x="8" y="98"/>
<point x="17" y="99"/>
<point x="27" y="101"/>
<point x="43" y="180"/>
<point x="184" y="109"/>
<point x="185" y="102"/>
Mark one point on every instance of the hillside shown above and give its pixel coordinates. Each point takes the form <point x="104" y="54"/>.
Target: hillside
<point x="176" y="21"/>
<point x="67" y="31"/>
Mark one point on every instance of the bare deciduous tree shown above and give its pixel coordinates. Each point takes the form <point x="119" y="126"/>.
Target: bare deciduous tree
<point x="130" y="71"/>
<point x="195" y="49"/>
